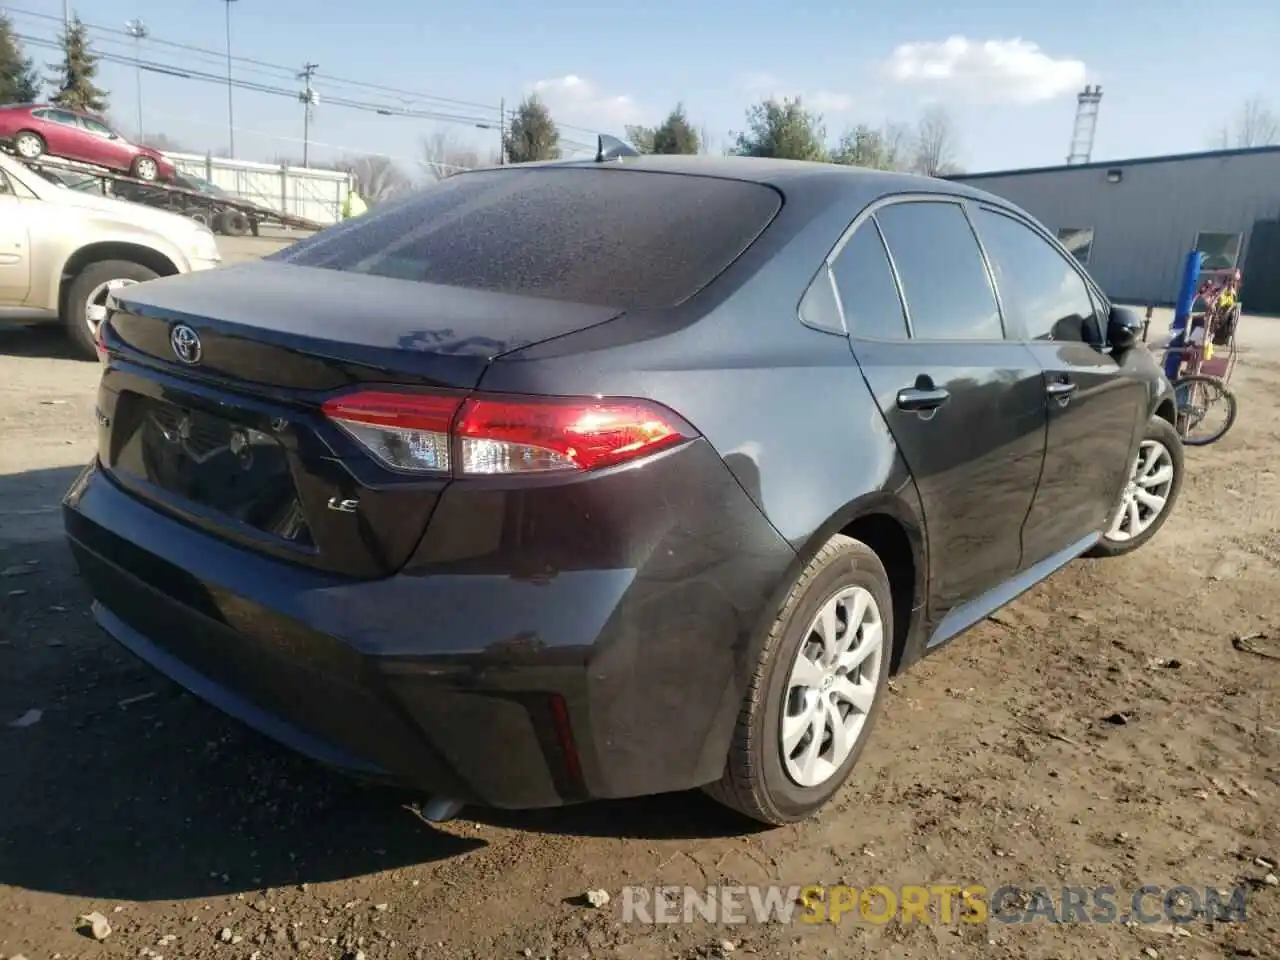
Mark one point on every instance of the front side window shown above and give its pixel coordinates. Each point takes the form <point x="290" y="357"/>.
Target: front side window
<point x="94" y="127"/>
<point x="1078" y="241"/>
<point x="868" y="292"/>
<point x="944" y="282"/>
<point x="1041" y="291"/>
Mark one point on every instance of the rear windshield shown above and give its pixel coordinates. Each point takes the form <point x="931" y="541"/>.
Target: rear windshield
<point x="605" y="236"/>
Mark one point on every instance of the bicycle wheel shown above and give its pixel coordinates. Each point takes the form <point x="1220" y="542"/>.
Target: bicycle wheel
<point x="1198" y="396"/>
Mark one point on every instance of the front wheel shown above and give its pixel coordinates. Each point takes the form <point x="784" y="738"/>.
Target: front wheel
<point x="86" y="305"/>
<point x="1206" y="409"/>
<point x="1155" y="479"/>
<point x="816" y="690"/>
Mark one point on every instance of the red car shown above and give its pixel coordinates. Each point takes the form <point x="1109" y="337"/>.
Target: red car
<point x="36" y="129"/>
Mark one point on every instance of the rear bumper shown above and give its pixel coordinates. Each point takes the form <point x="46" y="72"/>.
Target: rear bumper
<point x="497" y="690"/>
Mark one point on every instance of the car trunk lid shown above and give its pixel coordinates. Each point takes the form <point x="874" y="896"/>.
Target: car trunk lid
<point x="231" y="438"/>
<point x="302" y="328"/>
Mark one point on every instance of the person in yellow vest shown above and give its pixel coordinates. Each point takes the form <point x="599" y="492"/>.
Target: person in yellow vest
<point x="353" y="206"/>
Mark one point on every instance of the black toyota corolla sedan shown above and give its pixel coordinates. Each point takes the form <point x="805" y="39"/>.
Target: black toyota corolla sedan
<point x="602" y="479"/>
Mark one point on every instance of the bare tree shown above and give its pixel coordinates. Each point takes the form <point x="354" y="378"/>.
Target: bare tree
<point x="378" y="177"/>
<point x="1255" y="125"/>
<point x="443" y="156"/>
<point x="936" y="144"/>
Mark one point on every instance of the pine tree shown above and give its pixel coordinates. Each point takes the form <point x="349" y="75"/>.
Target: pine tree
<point x="75" y="75"/>
<point x="19" y="82"/>
<point x="533" y="135"/>
<point x="675" y="135"/>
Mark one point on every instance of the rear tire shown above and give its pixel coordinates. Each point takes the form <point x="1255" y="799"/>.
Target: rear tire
<point x="1163" y="446"/>
<point x="771" y="776"/>
<point x="1218" y="384"/>
<point x="234" y="223"/>
<point x="93" y="284"/>
<point x="29" y="145"/>
<point x="144" y="168"/>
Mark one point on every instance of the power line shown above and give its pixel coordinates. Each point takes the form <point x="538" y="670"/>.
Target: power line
<point x="280" y="68"/>
<point x="188" y="73"/>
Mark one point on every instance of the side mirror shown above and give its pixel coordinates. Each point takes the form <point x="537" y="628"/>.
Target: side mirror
<point x="1124" y="328"/>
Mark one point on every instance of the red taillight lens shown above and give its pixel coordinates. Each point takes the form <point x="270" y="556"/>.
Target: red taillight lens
<point x="504" y="435"/>
<point x="521" y="436"/>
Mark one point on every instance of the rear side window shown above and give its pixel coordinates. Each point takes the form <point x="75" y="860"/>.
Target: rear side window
<point x="1039" y="288"/>
<point x="606" y="236"/>
<point x="868" y="292"/>
<point x="944" y="281"/>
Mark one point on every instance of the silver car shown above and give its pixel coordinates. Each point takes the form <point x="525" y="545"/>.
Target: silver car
<point x="63" y="251"/>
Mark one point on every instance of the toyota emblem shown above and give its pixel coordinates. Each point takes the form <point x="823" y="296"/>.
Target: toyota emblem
<point x="186" y="344"/>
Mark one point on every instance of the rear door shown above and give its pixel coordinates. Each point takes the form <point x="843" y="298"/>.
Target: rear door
<point x="63" y="134"/>
<point x="965" y="405"/>
<point x="15" y="246"/>
<point x="1095" y="405"/>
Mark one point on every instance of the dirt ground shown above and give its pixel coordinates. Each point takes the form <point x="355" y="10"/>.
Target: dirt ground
<point x="1106" y="729"/>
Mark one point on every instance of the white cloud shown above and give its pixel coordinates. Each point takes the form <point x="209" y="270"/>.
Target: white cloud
<point x="578" y="102"/>
<point x="1014" y="71"/>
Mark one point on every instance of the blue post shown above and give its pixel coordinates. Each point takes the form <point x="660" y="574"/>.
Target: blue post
<point x="1182" y="310"/>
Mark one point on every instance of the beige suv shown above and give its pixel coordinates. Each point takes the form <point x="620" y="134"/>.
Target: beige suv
<point x="63" y="251"/>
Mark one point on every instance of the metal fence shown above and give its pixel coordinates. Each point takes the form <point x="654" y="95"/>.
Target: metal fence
<point x="300" y="191"/>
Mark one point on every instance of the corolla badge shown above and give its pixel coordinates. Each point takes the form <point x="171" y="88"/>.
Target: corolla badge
<point x="186" y="344"/>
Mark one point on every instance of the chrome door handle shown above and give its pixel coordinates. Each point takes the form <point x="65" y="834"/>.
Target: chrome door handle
<point x="917" y="399"/>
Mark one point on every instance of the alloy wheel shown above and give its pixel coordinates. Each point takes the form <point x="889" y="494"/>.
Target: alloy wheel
<point x="831" y="687"/>
<point x="1146" y="494"/>
<point x="95" y="309"/>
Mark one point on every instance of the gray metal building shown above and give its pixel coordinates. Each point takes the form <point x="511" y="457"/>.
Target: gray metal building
<point x="1132" y="222"/>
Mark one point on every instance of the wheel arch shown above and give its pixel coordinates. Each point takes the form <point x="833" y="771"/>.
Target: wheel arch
<point x="891" y="523"/>
<point x="148" y="257"/>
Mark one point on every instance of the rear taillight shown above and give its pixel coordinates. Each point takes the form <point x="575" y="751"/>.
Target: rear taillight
<point x="100" y="341"/>
<point x="494" y="435"/>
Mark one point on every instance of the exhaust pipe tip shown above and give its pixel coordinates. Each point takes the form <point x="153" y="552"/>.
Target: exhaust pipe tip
<point x="438" y="809"/>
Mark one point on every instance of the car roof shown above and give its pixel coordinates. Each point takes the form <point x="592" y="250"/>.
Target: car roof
<point x="800" y="179"/>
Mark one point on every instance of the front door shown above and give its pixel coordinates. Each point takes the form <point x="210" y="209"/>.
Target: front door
<point x="965" y="406"/>
<point x="112" y="150"/>
<point x="1096" y="405"/>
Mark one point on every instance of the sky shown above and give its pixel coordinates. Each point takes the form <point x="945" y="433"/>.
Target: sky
<point x="1172" y="72"/>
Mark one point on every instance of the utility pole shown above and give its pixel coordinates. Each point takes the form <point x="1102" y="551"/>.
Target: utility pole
<point x="231" y="121"/>
<point x="309" y="99"/>
<point x="66" y="14"/>
<point x="138" y="30"/>
<point x="502" y="132"/>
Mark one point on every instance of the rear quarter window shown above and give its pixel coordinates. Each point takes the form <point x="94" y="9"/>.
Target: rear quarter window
<point x="607" y="236"/>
